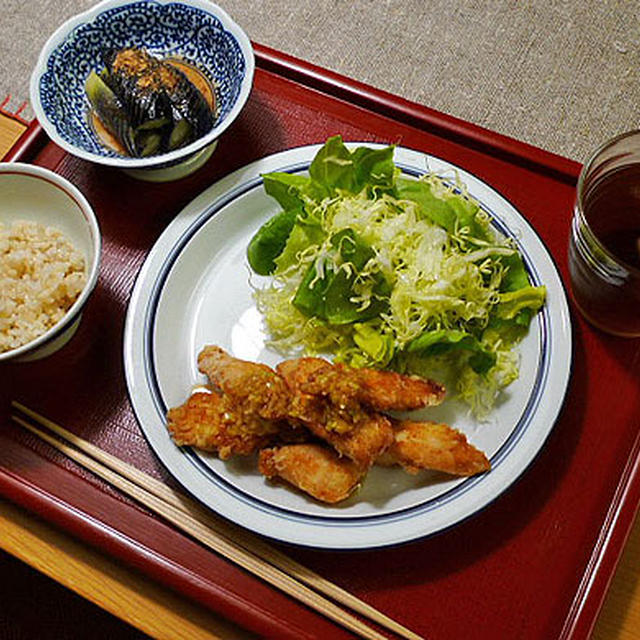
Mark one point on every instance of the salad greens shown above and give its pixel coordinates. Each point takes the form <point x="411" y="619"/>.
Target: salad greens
<point x="384" y="270"/>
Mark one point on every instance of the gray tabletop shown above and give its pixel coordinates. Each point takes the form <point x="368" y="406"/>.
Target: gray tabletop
<point x="562" y="75"/>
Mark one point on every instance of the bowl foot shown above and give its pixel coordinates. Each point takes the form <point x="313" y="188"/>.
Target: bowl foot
<point x="175" y="171"/>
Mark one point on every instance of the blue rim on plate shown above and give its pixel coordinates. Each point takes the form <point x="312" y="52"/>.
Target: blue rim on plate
<point x="253" y="503"/>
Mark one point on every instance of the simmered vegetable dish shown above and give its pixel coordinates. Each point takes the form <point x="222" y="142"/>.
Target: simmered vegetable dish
<point x="147" y="104"/>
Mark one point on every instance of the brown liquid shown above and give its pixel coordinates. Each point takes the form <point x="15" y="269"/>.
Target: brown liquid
<point x="612" y="210"/>
<point x="609" y="294"/>
<point x="197" y="78"/>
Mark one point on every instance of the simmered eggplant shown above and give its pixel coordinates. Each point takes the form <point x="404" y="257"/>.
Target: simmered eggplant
<point x="148" y="104"/>
<point x="110" y="111"/>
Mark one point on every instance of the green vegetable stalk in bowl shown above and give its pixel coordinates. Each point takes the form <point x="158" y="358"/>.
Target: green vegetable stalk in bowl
<point x="381" y="269"/>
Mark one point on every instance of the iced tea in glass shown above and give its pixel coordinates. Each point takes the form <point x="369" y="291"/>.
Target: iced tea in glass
<point x="604" y="247"/>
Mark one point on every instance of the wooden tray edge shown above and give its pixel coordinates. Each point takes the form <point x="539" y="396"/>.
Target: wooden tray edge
<point x="415" y="114"/>
<point x="116" y="542"/>
<point x="606" y="554"/>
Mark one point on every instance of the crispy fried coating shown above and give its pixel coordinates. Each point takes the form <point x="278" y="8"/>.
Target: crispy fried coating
<point x="254" y="386"/>
<point x="298" y="370"/>
<point x="380" y="390"/>
<point x="318" y="409"/>
<point x="317" y="425"/>
<point x="353" y="431"/>
<point x="431" y="445"/>
<point x="206" y="421"/>
<point x="313" y="468"/>
<point x="364" y="444"/>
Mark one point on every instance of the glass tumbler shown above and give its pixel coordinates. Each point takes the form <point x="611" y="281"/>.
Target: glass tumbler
<point x="604" y="245"/>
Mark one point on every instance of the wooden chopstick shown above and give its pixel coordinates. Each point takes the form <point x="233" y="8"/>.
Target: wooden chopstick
<point x="228" y="540"/>
<point x="220" y="544"/>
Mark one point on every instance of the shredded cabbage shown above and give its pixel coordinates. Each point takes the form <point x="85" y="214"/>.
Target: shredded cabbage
<point x="407" y="274"/>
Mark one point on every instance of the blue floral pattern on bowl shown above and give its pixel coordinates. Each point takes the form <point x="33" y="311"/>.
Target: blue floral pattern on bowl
<point x="173" y="29"/>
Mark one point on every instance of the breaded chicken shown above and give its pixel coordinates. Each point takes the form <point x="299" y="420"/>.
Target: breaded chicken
<point x="313" y="468"/>
<point x="317" y="425"/>
<point x="364" y="444"/>
<point x="354" y="431"/>
<point x="206" y="421"/>
<point x="298" y="370"/>
<point x="431" y="445"/>
<point x="380" y="390"/>
<point x="251" y="385"/>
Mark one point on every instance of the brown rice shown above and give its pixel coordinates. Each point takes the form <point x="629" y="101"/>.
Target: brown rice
<point x="41" y="276"/>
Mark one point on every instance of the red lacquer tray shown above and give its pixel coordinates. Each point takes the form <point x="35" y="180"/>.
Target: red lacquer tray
<point x="534" y="564"/>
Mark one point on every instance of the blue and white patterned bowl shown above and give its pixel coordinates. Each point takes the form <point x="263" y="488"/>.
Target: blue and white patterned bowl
<point x="197" y="31"/>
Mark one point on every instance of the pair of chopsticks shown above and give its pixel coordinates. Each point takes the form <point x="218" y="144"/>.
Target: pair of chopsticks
<point x="231" y="542"/>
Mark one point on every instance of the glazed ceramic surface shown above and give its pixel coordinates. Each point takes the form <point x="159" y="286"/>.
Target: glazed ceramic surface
<point x="35" y="194"/>
<point x="197" y="32"/>
<point x="195" y="289"/>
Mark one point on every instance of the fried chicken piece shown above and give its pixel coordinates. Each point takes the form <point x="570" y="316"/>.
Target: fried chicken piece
<point x="318" y="409"/>
<point x="206" y="421"/>
<point x="430" y="445"/>
<point x="253" y="385"/>
<point x="380" y="390"/>
<point x="312" y="468"/>
<point x="354" y="431"/>
<point x="362" y="440"/>
<point x="298" y="370"/>
<point x="364" y="444"/>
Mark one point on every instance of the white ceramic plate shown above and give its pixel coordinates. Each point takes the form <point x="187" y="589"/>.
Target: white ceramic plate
<point x="194" y="290"/>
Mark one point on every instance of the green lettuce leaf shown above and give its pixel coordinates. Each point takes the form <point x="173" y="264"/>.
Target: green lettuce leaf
<point x="512" y="303"/>
<point x="330" y="294"/>
<point x="511" y="317"/>
<point x="301" y="237"/>
<point x="515" y="276"/>
<point x="336" y="168"/>
<point x="376" y="345"/>
<point x="438" y="342"/>
<point x="269" y="241"/>
<point x="289" y="189"/>
<point x="453" y="213"/>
